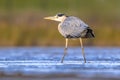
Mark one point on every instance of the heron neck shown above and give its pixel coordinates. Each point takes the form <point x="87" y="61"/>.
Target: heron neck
<point x="63" y="18"/>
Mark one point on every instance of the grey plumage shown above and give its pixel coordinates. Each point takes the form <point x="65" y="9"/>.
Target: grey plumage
<point x="73" y="27"/>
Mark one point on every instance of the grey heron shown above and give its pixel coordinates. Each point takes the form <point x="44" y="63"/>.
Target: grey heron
<point x="72" y="27"/>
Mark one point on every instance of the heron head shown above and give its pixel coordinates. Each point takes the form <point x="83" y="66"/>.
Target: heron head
<point x="58" y="17"/>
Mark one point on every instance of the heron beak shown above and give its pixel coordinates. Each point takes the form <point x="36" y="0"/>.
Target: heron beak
<point x="50" y="18"/>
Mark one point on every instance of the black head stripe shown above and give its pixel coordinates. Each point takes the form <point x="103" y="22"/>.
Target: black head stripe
<point x="60" y="14"/>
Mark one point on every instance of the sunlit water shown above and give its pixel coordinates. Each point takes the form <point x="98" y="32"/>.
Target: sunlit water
<point x="44" y="62"/>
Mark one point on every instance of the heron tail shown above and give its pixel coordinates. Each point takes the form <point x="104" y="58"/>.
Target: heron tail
<point x="89" y="33"/>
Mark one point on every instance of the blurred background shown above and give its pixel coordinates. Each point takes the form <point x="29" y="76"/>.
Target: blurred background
<point x="22" y="23"/>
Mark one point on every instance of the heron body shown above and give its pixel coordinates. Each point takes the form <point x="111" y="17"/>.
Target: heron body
<point x="72" y="27"/>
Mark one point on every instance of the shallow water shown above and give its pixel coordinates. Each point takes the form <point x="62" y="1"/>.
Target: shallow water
<point x="35" y="63"/>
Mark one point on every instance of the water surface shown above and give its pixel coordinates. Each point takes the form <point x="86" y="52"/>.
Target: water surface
<point x="43" y="63"/>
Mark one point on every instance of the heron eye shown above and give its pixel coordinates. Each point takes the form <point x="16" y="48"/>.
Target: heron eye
<point x="56" y="16"/>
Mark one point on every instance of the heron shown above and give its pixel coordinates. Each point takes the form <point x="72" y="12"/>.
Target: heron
<point x="72" y="27"/>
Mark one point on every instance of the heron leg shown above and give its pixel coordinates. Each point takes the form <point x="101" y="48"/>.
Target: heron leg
<point x="82" y="50"/>
<point x="65" y="50"/>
